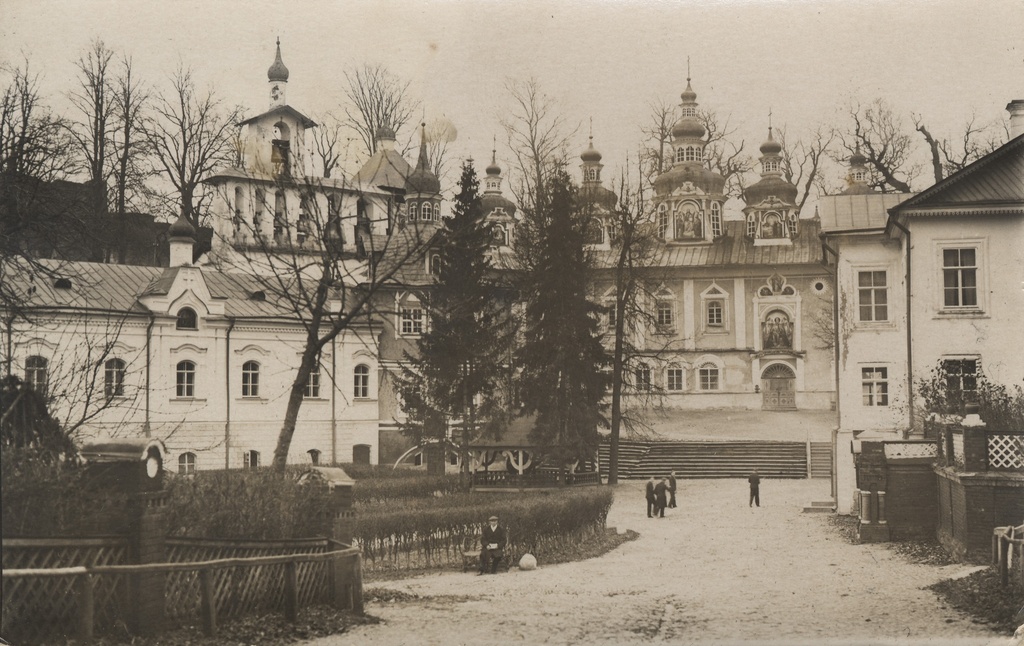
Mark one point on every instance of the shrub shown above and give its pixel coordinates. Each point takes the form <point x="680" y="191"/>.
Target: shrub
<point x="381" y="487"/>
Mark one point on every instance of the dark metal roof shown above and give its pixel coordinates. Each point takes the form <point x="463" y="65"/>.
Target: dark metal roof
<point x="857" y="211"/>
<point x="283" y="110"/>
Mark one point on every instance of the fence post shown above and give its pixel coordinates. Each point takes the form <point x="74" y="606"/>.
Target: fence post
<point x="86" y="606"/>
<point x="339" y="585"/>
<point x="291" y="591"/>
<point x="1004" y="561"/>
<point x="208" y="602"/>
<point x="357" y="584"/>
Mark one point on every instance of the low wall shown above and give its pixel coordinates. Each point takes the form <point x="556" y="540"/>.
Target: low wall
<point x="971" y="505"/>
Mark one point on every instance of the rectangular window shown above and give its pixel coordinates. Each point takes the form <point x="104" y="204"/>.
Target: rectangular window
<point x="715" y="314"/>
<point x="960" y="277"/>
<point x="675" y="379"/>
<point x="875" y="386"/>
<point x="611" y="315"/>
<point x="961" y="376"/>
<point x="313" y="383"/>
<point x="873" y="296"/>
<point x="643" y="378"/>
<point x="664" y="314"/>
<point x="250" y="379"/>
<point x="708" y="378"/>
<point x="185" y="379"/>
<point x="412" y="320"/>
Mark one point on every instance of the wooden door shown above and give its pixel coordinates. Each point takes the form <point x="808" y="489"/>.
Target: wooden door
<point x="778" y="388"/>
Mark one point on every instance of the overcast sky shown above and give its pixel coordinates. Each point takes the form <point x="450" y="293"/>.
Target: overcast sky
<point x="602" y="60"/>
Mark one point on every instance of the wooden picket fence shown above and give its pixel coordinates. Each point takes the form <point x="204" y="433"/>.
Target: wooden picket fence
<point x="78" y="586"/>
<point x="1008" y="553"/>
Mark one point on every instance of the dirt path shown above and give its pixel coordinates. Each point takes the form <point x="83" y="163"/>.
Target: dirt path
<point x="714" y="570"/>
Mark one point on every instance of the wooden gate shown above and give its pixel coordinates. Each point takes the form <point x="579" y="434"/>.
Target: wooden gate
<point x="778" y="387"/>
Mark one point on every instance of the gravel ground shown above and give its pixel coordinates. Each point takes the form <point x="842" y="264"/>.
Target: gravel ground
<point x="712" y="571"/>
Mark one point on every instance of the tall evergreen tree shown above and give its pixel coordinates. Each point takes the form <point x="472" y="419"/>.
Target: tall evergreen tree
<point x="457" y="370"/>
<point x="562" y="358"/>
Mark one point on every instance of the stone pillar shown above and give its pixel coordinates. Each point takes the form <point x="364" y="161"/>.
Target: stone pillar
<point x="865" y="507"/>
<point x="147" y="536"/>
<point x="340" y="518"/>
<point x="881" y="508"/>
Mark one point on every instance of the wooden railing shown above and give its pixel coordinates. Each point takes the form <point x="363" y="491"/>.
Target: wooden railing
<point x="980" y="449"/>
<point x="1007" y="547"/>
<point x="345" y="581"/>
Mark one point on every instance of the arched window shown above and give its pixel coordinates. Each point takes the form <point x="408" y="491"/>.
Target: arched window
<point x="499" y="237"/>
<point x="427" y="212"/>
<point x="251" y="459"/>
<point x="187" y="319"/>
<point x="36" y="373"/>
<point x="772" y="226"/>
<point x="716" y="219"/>
<point x="239" y="218"/>
<point x="250" y="379"/>
<point x="113" y="378"/>
<point x="313" y="382"/>
<point x="185" y="379"/>
<point x="791" y="222"/>
<point x="594" y="231"/>
<point x="752" y="226"/>
<point x="314" y="456"/>
<point x="681" y="154"/>
<point x="187" y="464"/>
<point x="663" y="221"/>
<point x="435" y="264"/>
<point x="715" y="313"/>
<point x="410" y="316"/>
<point x="691" y="153"/>
<point x="257" y="213"/>
<point x="709" y="377"/>
<point x="361" y="379"/>
<point x="689" y="111"/>
<point x="414" y="213"/>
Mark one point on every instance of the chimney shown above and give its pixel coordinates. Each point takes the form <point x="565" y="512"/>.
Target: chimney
<point x="181" y="237"/>
<point x="1016" y="110"/>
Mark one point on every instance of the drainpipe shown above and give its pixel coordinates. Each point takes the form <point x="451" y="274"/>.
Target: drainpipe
<point x="10" y="344"/>
<point x="835" y="360"/>
<point x="910" y="336"/>
<point x="149" y="342"/>
<point x="227" y="393"/>
<point x="334" y="399"/>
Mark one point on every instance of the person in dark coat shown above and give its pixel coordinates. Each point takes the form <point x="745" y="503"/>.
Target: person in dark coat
<point x="755" y="488"/>
<point x="492" y="545"/>
<point x="660" y="494"/>
<point x="672" y="490"/>
<point x="651" y="500"/>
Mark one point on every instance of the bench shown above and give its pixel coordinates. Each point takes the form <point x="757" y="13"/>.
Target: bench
<point x="471" y="553"/>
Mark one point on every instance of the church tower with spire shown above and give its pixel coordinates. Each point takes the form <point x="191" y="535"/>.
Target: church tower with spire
<point x="499" y="211"/>
<point x="423" y="190"/>
<point x="771" y="211"/>
<point x="598" y="200"/>
<point x="277" y="77"/>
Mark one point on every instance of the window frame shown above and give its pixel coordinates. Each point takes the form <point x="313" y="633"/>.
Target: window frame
<point x="37" y="374"/>
<point x="312" y="389"/>
<point x="873" y="289"/>
<point x="710" y="371"/>
<point x="960" y="375"/>
<point x="251" y="459"/>
<point x="361" y="381"/>
<point x="664" y="313"/>
<point x="184" y="322"/>
<point x="678" y="379"/>
<point x="187" y="463"/>
<point x="960" y="287"/>
<point x="716" y="219"/>
<point x="113" y="377"/>
<point x="874" y="389"/>
<point x="251" y="379"/>
<point x="643" y="378"/>
<point x="185" y="379"/>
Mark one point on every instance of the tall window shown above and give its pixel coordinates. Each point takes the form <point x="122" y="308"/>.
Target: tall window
<point x="250" y="379"/>
<point x="674" y="379"/>
<point x="716" y="219"/>
<point x="414" y="212"/>
<point x="708" y="375"/>
<point x="313" y="382"/>
<point x="663" y="222"/>
<point x="427" y="212"/>
<point x="185" y="379"/>
<point x="251" y="459"/>
<point x="257" y="212"/>
<point x="664" y="314"/>
<point x="715" y="313"/>
<point x="361" y="382"/>
<point x="960" y="277"/>
<point x="187" y="464"/>
<point x="643" y="378"/>
<point x="791" y="224"/>
<point x="435" y="264"/>
<point x="36" y="373"/>
<point x="751" y="226"/>
<point x="875" y="386"/>
<point x="873" y="296"/>
<point x="280" y="216"/>
<point x="681" y="154"/>
<point x="961" y="376"/>
<point x="412" y="320"/>
<point x="113" y="378"/>
<point x="187" y="319"/>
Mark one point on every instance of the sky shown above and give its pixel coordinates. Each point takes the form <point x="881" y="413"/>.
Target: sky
<point x="603" y="61"/>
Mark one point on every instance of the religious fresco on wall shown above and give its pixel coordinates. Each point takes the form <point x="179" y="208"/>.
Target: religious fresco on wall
<point x="688" y="225"/>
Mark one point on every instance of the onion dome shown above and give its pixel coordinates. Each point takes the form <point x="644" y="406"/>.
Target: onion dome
<point x="706" y="180"/>
<point x="492" y="200"/>
<point x="591" y="154"/>
<point x="277" y="71"/>
<point x="858" y="159"/>
<point x="770" y="146"/>
<point x="422" y="180"/>
<point x="688" y="126"/>
<point x="181" y="228"/>
<point x="773" y="186"/>
<point x="493" y="168"/>
<point x="384" y="132"/>
<point x="688" y="95"/>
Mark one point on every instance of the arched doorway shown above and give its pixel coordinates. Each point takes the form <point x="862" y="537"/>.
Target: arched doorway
<point x="778" y="388"/>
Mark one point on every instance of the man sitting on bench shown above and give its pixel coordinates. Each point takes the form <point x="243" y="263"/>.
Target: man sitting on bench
<point x="492" y="546"/>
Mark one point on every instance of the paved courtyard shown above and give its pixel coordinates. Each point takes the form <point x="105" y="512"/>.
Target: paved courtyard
<point x="712" y="571"/>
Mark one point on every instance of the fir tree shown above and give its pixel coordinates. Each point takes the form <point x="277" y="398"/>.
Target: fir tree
<point x="457" y="370"/>
<point x="562" y="358"/>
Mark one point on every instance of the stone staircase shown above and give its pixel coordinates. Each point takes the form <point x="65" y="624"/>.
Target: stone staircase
<point x="709" y="459"/>
<point x="821" y="460"/>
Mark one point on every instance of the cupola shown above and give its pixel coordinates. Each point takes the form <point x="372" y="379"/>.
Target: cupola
<point x="772" y="184"/>
<point x="857" y="178"/>
<point x="592" y="190"/>
<point x="277" y="76"/>
<point x="181" y="237"/>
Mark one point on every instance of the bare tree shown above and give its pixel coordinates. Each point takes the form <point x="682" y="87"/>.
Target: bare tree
<point x="33" y="141"/>
<point x="329" y="143"/>
<point x="438" y="134"/>
<point x="657" y="135"/>
<point x="128" y="137"/>
<point x="190" y="135"/>
<point x="974" y="142"/>
<point x="379" y="99"/>
<point x="538" y="137"/>
<point x="92" y="99"/>
<point x="722" y="153"/>
<point x="883" y="140"/>
<point x="802" y="160"/>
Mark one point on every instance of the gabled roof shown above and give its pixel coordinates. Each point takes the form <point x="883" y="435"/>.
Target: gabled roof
<point x="283" y="110"/>
<point x="385" y="169"/>
<point x="404" y="257"/>
<point x="992" y="185"/>
<point x="857" y="211"/>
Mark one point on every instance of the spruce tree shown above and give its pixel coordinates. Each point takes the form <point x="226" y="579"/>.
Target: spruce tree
<point x="562" y="359"/>
<point x="456" y="371"/>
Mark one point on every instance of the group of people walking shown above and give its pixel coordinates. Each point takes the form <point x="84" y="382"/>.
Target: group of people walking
<point x="661" y="495"/>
